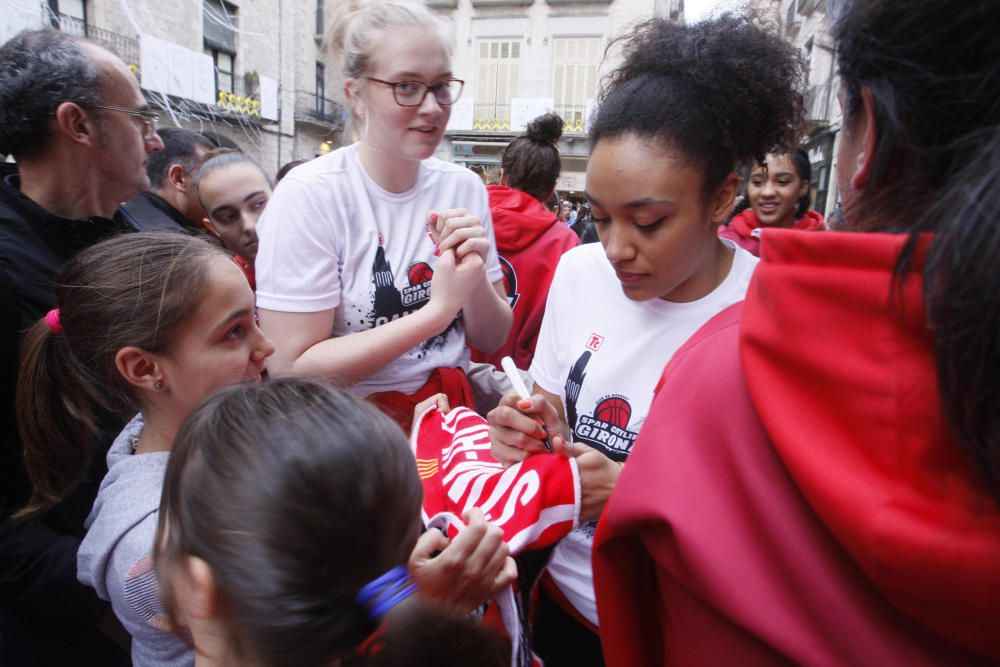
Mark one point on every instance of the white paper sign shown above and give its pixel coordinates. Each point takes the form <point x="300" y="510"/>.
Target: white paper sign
<point x="268" y="98"/>
<point x="18" y="15"/>
<point x="203" y="78"/>
<point x="462" y="114"/>
<point x="154" y="54"/>
<point x="180" y="83"/>
<point x="525" y="109"/>
<point x="589" y="113"/>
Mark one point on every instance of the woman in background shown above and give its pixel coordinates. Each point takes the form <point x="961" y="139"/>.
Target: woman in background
<point x="529" y="240"/>
<point x="779" y="196"/>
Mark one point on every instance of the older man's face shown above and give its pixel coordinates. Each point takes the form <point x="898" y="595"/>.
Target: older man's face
<point x="124" y="140"/>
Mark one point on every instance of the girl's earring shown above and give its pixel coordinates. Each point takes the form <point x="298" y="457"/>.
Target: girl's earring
<point x="158" y="386"/>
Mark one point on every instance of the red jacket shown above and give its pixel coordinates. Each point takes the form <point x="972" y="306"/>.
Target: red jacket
<point x="530" y="241"/>
<point x="791" y="503"/>
<point x="744" y="229"/>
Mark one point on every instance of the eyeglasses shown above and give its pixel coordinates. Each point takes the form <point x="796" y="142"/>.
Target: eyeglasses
<point x="413" y="93"/>
<point x="149" y="118"/>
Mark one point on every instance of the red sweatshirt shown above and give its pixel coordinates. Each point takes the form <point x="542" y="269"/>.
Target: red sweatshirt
<point x="791" y="503"/>
<point x="530" y="241"/>
<point x="745" y="229"/>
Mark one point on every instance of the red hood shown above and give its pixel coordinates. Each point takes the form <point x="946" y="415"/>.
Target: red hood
<point x="746" y="221"/>
<point x="518" y="218"/>
<point x="855" y="417"/>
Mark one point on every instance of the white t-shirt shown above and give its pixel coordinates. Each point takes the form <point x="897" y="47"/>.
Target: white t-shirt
<point x="330" y="237"/>
<point x="603" y="354"/>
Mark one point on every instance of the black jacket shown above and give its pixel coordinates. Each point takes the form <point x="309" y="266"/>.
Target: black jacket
<point x="149" y="212"/>
<point x="46" y="615"/>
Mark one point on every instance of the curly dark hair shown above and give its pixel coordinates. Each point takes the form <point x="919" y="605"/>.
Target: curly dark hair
<point x="41" y="69"/>
<point x="685" y="87"/>
<point x="531" y="162"/>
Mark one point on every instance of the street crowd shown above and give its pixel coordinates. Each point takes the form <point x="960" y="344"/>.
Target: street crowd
<point x="375" y="412"/>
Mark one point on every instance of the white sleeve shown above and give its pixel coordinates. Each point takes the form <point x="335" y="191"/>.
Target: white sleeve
<point x="548" y="370"/>
<point x="493" y="270"/>
<point x="298" y="257"/>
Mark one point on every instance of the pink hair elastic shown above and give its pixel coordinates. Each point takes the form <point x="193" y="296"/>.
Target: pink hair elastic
<point x="52" y="321"/>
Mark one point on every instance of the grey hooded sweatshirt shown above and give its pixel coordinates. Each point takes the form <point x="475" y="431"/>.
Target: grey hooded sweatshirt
<point x="115" y="557"/>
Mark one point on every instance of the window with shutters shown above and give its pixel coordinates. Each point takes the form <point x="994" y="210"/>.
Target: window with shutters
<point x="575" y="62"/>
<point x="219" y="25"/>
<point x="499" y="77"/>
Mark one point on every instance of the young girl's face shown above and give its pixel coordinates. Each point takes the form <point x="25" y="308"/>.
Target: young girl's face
<point x="234" y="198"/>
<point x="657" y="230"/>
<point x="774" y="190"/>
<point x="220" y="344"/>
<point x="412" y="53"/>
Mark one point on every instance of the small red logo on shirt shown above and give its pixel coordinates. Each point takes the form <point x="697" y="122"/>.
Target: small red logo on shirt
<point x="595" y="342"/>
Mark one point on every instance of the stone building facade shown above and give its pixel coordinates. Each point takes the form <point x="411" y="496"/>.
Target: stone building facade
<point x="254" y="74"/>
<point x="247" y="73"/>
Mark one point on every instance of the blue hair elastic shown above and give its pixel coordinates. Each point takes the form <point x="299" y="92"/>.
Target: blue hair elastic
<point x="381" y="595"/>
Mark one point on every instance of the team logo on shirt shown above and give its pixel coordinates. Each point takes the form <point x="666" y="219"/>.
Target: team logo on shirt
<point x="509" y="281"/>
<point x="607" y="430"/>
<point x="389" y="303"/>
<point x="419" y="291"/>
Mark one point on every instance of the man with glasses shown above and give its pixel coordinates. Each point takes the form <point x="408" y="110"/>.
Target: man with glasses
<point x="75" y="120"/>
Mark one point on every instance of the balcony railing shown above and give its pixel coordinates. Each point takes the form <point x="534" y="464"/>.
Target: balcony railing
<point x="572" y="115"/>
<point x="243" y="98"/>
<point x="126" y="47"/>
<point x="313" y="108"/>
<point x="818" y="105"/>
<point x="496" y="118"/>
<point x="491" y="117"/>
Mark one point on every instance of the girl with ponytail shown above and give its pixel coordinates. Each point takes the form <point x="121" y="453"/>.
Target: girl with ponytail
<point x="843" y="507"/>
<point x="529" y="239"/>
<point x="289" y="512"/>
<point x="147" y="326"/>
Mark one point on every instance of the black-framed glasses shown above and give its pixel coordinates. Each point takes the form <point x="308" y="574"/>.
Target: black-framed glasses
<point x="149" y="118"/>
<point x="413" y="93"/>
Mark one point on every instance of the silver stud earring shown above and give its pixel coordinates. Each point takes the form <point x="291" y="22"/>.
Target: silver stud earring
<point x="158" y="386"/>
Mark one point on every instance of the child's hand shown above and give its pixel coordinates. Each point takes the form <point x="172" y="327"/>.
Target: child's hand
<point x="468" y="570"/>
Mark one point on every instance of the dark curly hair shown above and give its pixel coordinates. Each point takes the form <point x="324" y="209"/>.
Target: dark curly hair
<point x="685" y="87"/>
<point x="41" y="69"/>
<point x="531" y="162"/>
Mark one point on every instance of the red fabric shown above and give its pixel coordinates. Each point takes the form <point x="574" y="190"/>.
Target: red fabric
<point x="535" y="502"/>
<point x="248" y="271"/>
<point x="452" y="382"/>
<point x="827" y="518"/>
<point x="740" y="229"/>
<point x="530" y="240"/>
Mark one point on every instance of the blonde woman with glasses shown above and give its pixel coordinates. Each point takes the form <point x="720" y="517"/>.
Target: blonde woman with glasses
<point x="352" y="242"/>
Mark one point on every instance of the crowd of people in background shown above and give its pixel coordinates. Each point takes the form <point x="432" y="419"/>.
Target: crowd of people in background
<point x="673" y="429"/>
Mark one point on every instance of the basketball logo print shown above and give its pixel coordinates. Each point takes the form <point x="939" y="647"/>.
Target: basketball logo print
<point x="420" y="273"/>
<point x="418" y="293"/>
<point x="607" y="430"/>
<point x="614" y="410"/>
